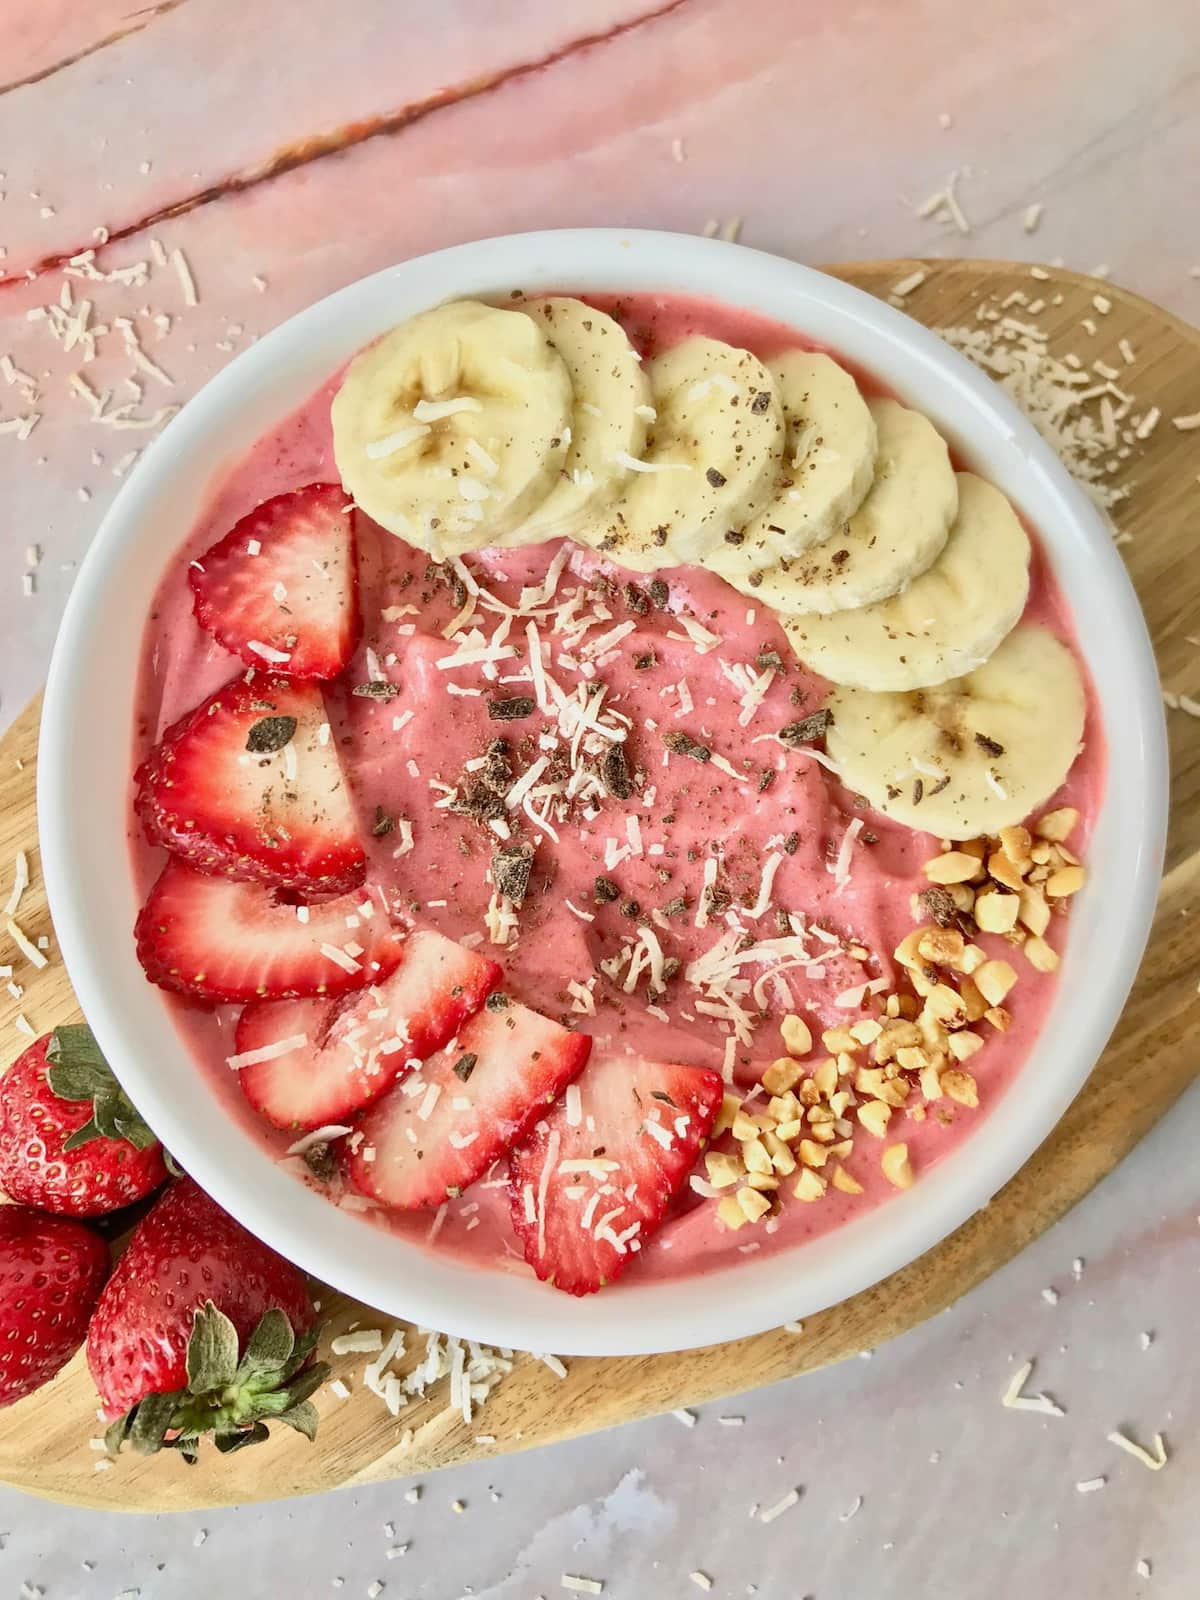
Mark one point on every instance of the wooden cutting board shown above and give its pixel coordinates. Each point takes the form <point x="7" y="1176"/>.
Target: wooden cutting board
<point x="44" y="1440"/>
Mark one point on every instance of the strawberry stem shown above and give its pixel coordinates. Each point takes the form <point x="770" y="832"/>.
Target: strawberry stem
<point x="77" y="1070"/>
<point x="228" y="1397"/>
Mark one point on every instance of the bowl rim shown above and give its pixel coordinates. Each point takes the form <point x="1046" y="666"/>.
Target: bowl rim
<point x="130" y="1017"/>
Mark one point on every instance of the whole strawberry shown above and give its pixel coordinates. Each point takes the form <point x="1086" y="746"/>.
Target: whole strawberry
<point x="202" y="1329"/>
<point x="70" y="1141"/>
<point x="51" y="1273"/>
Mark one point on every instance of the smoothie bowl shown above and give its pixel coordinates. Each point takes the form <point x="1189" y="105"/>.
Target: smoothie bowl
<point x="625" y="796"/>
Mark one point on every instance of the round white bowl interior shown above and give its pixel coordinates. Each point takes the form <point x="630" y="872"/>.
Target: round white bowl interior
<point x="84" y="796"/>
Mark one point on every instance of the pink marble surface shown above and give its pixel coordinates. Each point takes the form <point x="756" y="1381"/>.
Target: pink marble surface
<point x="300" y="153"/>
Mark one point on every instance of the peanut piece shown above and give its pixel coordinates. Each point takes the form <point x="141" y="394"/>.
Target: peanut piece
<point x="797" y="1038"/>
<point x="1057" y="825"/>
<point x="843" y="1181"/>
<point x="960" y="1086"/>
<point x="811" y="1185"/>
<point x="1040" y="955"/>
<point x="875" y="1116"/>
<point x="897" y="1168"/>
<point x="993" y="980"/>
<point x="956" y="866"/>
<point x="1066" y="881"/>
<point x="753" y="1204"/>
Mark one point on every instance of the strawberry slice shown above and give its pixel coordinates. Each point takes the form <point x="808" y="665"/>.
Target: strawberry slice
<point x="285" y="578"/>
<point x="444" y="1125"/>
<point x="357" y="1046"/>
<point x="223" y="940"/>
<point x="249" y="784"/>
<point x="628" y="1140"/>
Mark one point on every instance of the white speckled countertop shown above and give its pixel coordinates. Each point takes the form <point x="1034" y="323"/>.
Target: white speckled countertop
<point x="822" y="128"/>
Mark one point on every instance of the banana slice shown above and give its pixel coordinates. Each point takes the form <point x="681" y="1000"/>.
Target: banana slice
<point x="451" y="428"/>
<point x="612" y="411"/>
<point x="897" y="532"/>
<point x="714" y="449"/>
<point x="947" y="622"/>
<point x="827" y="469"/>
<point x="973" y="756"/>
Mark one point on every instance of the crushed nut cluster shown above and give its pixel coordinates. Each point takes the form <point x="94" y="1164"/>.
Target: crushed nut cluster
<point x="1010" y="885"/>
<point x="913" y="1055"/>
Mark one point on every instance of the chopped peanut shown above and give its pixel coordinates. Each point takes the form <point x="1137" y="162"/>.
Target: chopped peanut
<point x="942" y="946"/>
<point x="811" y="1185"/>
<point x="765" y="1181"/>
<point x="946" y="1004"/>
<point x="973" y="1002"/>
<point x="897" y="1168"/>
<point x="964" y="1044"/>
<point x="931" y="1083"/>
<point x="875" y="1116"/>
<point x="1066" y="881"/>
<point x="1057" y="825"/>
<point x="908" y="952"/>
<point x="730" y="1106"/>
<point x="999" y="1018"/>
<point x="812" y="1153"/>
<point x="993" y="980"/>
<point x="731" y="1213"/>
<point x="754" y="1154"/>
<point x="868" y="1030"/>
<point x="744" y="1127"/>
<point x="782" y="1158"/>
<point x="996" y="912"/>
<point x="1004" y="871"/>
<point x="960" y="1086"/>
<point x="1040" y="955"/>
<point x="782" y="1075"/>
<point x="1016" y="843"/>
<point x="1035" y="913"/>
<point x="753" y="1204"/>
<point x="956" y="866"/>
<point x="973" y="958"/>
<point x="912" y="1058"/>
<point x="797" y="1038"/>
<point x="723" y="1171"/>
<point x="839" y="1041"/>
<point x="843" y="1181"/>
<point x="826" y="1076"/>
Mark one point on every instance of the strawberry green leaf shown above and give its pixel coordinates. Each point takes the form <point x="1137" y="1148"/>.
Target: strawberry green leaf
<point x="149" y="1422"/>
<point x="212" y="1353"/>
<point x="227" y="1443"/>
<point x="270" y="1346"/>
<point x="78" y="1071"/>
<point x="302" y="1417"/>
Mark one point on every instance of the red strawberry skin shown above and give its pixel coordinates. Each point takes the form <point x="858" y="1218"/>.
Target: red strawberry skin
<point x="522" y="1062"/>
<point x="352" y="1056"/>
<point x="618" y="1097"/>
<point x="209" y="798"/>
<point x="299" y="594"/>
<point x="183" y="1252"/>
<point x="100" y="1176"/>
<point x="221" y="940"/>
<point x="51" y="1272"/>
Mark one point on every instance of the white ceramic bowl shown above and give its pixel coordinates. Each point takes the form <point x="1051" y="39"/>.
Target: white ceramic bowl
<point x="84" y="795"/>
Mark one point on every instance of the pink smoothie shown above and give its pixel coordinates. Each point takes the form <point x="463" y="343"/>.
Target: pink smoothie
<point x="820" y="884"/>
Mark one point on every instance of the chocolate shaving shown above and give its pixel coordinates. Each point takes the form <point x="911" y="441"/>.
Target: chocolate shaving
<point x="636" y="599"/>
<point x="918" y="791"/>
<point x="791" y="844"/>
<point x="512" y="709"/>
<point x="605" y="890"/>
<point x="646" y="659"/>
<point x="735" y="538"/>
<point x="270" y="733"/>
<point x="465" y="1065"/>
<point x="658" y="591"/>
<point x="614" y="771"/>
<point x="768" y="658"/>
<point x="682" y="744"/>
<point x="497" y="1001"/>
<point x="676" y="907"/>
<point x="766" y="779"/>
<point x="715" y="478"/>
<point x="630" y="908"/>
<point x="319" y="1160"/>
<point x="382" y="824"/>
<point x="761" y="402"/>
<point x="511" y="867"/>
<point x="939" y="904"/>
<point x="989" y="746"/>
<point x="660" y="1094"/>
<point x="807" y="731"/>
<point x="376" y="689"/>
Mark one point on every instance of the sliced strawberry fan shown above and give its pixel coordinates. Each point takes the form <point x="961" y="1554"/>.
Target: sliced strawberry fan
<point x="249" y="785"/>
<point x="342" y="1054"/>
<point x="281" y="588"/>
<point x="597" y="1175"/>
<point x="445" y="1124"/>
<point x="221" y="940"/>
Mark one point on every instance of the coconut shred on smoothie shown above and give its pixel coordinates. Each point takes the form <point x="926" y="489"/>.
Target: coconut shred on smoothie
<point x="610" y="811"/>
